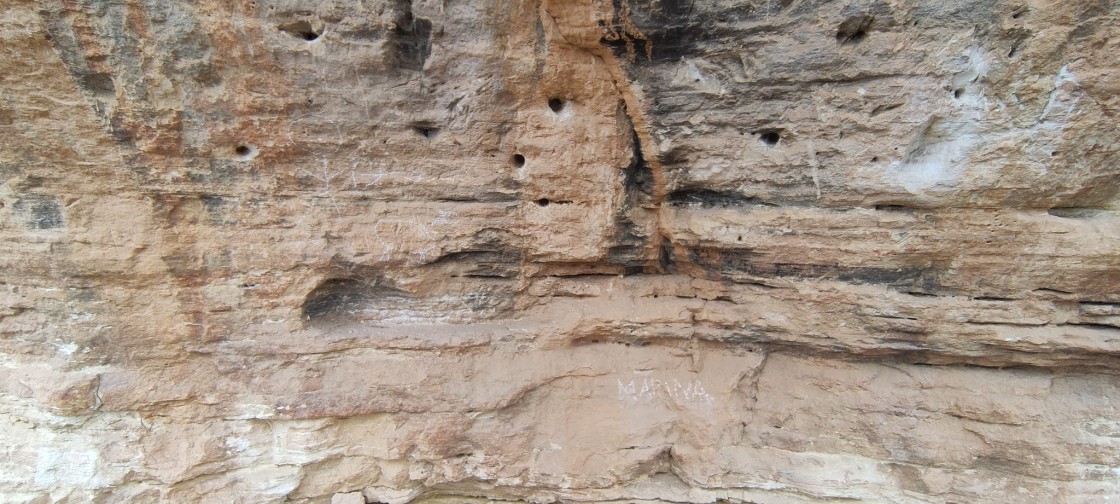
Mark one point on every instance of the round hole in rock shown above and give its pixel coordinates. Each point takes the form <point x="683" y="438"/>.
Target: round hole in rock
<point x="556" y="104"/>
<point x="517" y="160"/>
<point x="770" y="137"/>
<point x="543" y="202"/>
<point x="875" y="159"/>
<point x="243" y="150"/>
<point x="957" y="93"/>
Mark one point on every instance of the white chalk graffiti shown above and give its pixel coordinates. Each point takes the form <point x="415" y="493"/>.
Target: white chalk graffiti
<point x="649" y="389"/>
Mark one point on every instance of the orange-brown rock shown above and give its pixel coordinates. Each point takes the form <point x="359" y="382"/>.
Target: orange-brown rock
<point x="559" y="251"/>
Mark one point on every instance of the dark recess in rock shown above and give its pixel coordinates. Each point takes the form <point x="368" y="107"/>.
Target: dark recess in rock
<point x="854" y="29"/>
<point x="665" y="257"/>
<point x="412" y="39"/>
<point x="503" y="263"/>
<point x="337" y="296"/>
<point x="638" y="179"/>
<point x="301" y="29"/>
<point x="100" y="85"/>
<point x="708" y="198"/>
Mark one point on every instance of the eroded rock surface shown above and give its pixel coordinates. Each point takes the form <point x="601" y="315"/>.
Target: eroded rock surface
<point x="569" y="250"/>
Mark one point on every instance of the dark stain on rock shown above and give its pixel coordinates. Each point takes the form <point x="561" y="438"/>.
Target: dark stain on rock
<point x="217" y="209"/>
<point x="481" y="263"/>
<point x="39" y="212"/>
<point x="638" y="176"/>
<point x="337" y="296"/>
<point x="412" y="39"/>
<point x="708" y="198"/>
<point x="722" y="263"/>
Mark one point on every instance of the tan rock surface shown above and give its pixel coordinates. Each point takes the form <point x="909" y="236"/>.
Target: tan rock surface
<point x="569" y="250"/>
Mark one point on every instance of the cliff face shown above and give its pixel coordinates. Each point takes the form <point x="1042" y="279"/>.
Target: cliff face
<point x="651" y="250"/>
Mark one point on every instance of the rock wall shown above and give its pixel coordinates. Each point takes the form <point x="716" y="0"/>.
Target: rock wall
<point x="392" y="251"/>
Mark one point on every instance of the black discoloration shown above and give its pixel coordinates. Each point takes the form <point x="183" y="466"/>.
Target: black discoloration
<point x="665" y="257"/>
<point x="100" y="45"/>
<point x="676" y="158"/>
<point x="412" y="38"/>
<point x="707" y="198"/>
<point x="674" y="9"/>
<point x="1077" y="213"/>
<point x="630" y="246"/>
<point x="39" y="212"/>
<point x="894" y="208"/>
<point x="902" y="276"/>
<point x="638" y="179"/>
<point x="217" y="209"/>
<point x="745" y="261"/>
<point x="503" y="263"/>
<point x="480" y="197"/>
<point x="425" y="130"/>
<point x="337" y="296"/>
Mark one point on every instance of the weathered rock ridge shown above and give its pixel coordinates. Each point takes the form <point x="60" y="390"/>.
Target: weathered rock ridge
<point x="560" y="250"/>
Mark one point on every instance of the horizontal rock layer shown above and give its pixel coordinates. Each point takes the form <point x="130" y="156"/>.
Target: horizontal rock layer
<point x="642" y="251"/>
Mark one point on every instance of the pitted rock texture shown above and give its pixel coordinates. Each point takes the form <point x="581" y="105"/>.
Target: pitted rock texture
<point x="559" y="251"/>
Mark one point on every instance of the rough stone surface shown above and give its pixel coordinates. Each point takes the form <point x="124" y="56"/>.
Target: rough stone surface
<point x="392" y="251"/>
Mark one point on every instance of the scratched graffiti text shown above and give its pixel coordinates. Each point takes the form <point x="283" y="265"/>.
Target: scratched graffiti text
<point x="648" y="389"/>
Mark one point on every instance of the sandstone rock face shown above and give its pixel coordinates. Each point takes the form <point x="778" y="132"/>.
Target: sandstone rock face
<point x="559" y="250"/>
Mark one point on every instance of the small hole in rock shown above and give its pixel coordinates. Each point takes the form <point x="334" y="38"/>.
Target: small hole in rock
<point x="556" y="104"/>
<point x="543" y="202"/>
<point x="426" y="131"/>
<point x="243" y="150"/>
<point x="770" y="137"/>
<point x="875" y="159"/>
<point x="853" y="30"/>
<point x="740" y="238"/>
<point x="957" y="93"/>
<point x="302" y="30"/>
<point x="517" y="160"/>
